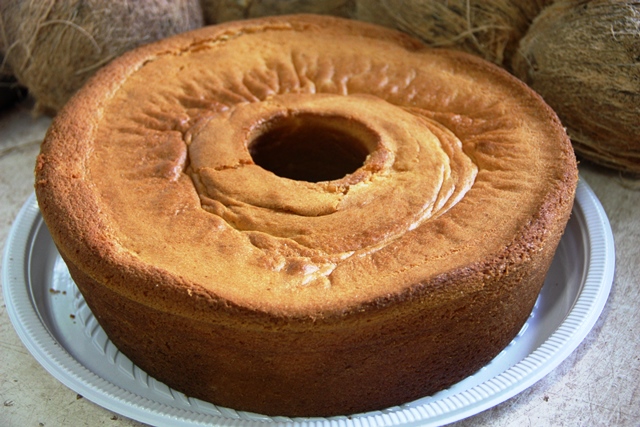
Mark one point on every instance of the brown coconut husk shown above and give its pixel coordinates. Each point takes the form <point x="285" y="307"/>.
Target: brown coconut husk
<point x="216" y="11"/>
<point x="583" y="57"/>
<point x="490" y="29"/>
<point x="53" y="46"/>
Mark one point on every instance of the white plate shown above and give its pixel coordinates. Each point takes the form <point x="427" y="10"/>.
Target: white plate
<point x="59" y="330"/>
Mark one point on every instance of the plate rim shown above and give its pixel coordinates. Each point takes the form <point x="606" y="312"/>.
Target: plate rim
<point x="579" y="321"/>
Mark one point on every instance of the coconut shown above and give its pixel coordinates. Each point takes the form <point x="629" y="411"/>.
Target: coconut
<point x="583" y="57"/>
<point x="52" y="47"/>
<point x="216" y="11"/>
<point x="490" y="29"/>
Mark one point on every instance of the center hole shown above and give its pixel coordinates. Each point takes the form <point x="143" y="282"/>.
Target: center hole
<point x="310" y="148"/>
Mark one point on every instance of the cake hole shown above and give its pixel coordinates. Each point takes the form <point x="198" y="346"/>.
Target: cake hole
<point x="312" y="148"/>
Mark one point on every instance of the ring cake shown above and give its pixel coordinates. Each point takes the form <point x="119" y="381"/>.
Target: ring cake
<point x="305" y="215"/>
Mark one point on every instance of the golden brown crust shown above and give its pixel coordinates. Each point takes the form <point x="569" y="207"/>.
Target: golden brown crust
<point x="149" y="188"/>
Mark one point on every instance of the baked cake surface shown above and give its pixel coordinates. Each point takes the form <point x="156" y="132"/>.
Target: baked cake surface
<point x="306" y="215"/>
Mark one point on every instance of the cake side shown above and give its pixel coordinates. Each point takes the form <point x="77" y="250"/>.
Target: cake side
<point x="371" y="361"/>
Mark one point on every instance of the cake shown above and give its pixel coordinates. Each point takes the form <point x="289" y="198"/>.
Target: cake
<point x="306" y="215"/>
